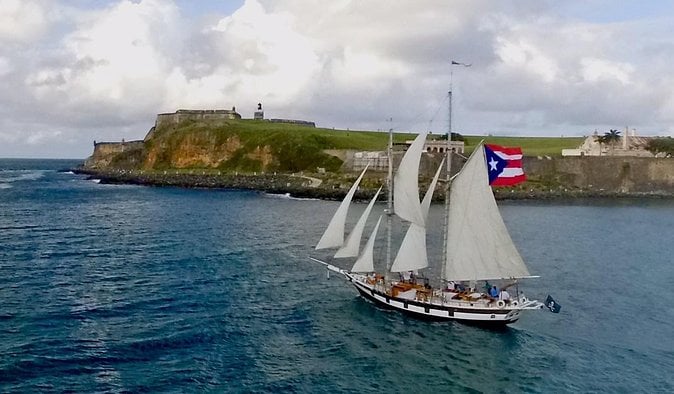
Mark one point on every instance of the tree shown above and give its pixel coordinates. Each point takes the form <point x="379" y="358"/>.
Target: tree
<point x="455" y="137"/>
<point x="601" y="140"/>
<point x="610" y="137"/>
<point x="661" y="145"/>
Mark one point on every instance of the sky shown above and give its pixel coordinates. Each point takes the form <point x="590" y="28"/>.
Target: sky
<point x="75" y="71"/>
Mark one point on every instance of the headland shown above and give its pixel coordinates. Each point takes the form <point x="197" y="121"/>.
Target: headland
<point x="219" y="149"/>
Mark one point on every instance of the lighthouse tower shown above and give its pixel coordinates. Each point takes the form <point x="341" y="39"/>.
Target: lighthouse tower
<point x="259" y="114"/>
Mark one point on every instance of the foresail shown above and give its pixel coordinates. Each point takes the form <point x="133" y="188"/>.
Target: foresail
<point x="478" y="243"/>
<point x="365" y="263"/>
<point x="352" y="244"/>
<point x="426" y="203"/>
<point x="412" y="254"/>
<point x="334" y="235"/>
<point x="406" y="184"/>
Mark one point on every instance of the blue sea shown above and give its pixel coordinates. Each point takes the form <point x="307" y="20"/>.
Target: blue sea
<point x="114" y="288"/>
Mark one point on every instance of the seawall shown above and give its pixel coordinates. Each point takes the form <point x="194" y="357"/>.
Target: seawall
<point x="567" y="178"/>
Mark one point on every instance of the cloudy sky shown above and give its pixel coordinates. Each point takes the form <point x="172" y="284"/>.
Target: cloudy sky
<point x="74" y="71"/>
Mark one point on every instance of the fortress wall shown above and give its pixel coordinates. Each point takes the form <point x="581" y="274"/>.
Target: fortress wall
<point x="188" y="114"/>
<point x="620" y="174"/>
<point x="590" y="173"/>
<point x="104" y="152"/>
<point x="294" y="122"/>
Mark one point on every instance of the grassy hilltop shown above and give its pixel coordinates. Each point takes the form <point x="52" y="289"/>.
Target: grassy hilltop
<point x="254" y="145"/>
<point x="284" y="158"/>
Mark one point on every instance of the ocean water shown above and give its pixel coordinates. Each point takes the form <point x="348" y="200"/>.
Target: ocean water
<point x="113" y="288"/>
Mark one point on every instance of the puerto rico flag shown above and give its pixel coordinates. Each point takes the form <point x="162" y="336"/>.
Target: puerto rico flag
<point x="504" y="165"/>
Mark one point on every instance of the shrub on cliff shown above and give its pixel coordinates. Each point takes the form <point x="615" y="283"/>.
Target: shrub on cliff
<point x="661" y="145"/>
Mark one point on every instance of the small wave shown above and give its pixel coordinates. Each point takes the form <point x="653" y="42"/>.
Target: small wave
<point x="277" y="195"/>
<point x="287" y="196"/>
<point x="95" y="180"/>
<point x="9" y="176"/>
<point x="5" y="186"/>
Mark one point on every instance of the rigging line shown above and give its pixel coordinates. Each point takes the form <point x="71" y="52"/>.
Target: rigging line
<point x="421" y="114"/>
<point x="442" y="105"/>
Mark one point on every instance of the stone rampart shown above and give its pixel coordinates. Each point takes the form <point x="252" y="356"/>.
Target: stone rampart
<point x="105" y="152"/>
<point x="294" y="122"/>
<point x="194" y="114"/>
<point x="604" y="174"/>
<point x="611" y="174"/>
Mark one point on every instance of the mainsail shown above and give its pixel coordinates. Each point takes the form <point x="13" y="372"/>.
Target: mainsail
<point x="478" y="244"/>
<point x="350" y="247"/>
<point x="334" y="235"/>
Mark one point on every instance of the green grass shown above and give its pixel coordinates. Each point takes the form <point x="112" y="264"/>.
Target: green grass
<point x="531" y="146"/>
<point x="301" y="148"/>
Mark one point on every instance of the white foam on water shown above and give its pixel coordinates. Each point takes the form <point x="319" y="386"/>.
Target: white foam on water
<point x="9" y="176"/>
<point x="287" y="196"/>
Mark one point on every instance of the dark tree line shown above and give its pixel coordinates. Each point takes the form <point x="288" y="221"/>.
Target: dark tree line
<point x="661" y="145"/>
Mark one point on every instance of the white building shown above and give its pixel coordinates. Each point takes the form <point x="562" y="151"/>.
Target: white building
<point x="628" y="145"/>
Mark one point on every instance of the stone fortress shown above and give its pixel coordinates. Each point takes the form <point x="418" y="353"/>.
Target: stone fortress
<point x="105" y="150"/>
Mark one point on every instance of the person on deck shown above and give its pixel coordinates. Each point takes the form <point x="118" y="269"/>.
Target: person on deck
<point x="493" y="292"/>
<point x="504" y="295"/>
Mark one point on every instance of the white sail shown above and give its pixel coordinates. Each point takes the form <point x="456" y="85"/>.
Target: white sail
<point x="365" y="263"/>
<point x="334" y="235"/>
<point x="406" y="184"/>
<point x="478" y="243"/>
<point x="426" y="203"/>
<point x="352" y="244"/>
<point x="412" y="253"/>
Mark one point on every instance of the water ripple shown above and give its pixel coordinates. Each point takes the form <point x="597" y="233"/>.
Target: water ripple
<point x="131" y="289"/>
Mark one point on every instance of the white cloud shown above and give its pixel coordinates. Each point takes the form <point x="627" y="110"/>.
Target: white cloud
<point x="5" y="66"/>
<point x="594" y="70"/>
<point x="263" y="55"/>
<point x="39" y="137"/>
<point x="524" y="55"/>
<point x="21" y="20"/>
<point x="104" y="73"/>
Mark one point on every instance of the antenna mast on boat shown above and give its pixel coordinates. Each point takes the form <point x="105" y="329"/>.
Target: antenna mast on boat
<point x="448" y="155"/>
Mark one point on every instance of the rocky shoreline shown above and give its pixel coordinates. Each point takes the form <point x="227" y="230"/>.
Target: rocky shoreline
<point x="300" y="186"/>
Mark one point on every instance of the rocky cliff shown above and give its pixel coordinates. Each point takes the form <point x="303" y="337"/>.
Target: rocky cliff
<point x="221" y="141"/>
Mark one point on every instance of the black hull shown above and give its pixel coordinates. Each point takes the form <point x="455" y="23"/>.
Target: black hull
<point x="369" y="294"/>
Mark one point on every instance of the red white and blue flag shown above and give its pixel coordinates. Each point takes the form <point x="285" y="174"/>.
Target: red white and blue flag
<point x="504" y="165"/>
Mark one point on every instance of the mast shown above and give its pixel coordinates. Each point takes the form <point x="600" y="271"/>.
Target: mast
<point x="448" y="155"/>
<point x="389" y="205"/>
<point x="448" y="158"/>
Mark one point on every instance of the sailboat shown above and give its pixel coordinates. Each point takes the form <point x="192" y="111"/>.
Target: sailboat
<point x="479" y="252"/>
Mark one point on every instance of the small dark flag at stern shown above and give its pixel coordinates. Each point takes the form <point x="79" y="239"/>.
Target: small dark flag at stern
<point x="552" y="305"/>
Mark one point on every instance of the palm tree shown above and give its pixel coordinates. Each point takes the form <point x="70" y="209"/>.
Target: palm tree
<point x="601" y="139"/>
<point x="610" y="137"/>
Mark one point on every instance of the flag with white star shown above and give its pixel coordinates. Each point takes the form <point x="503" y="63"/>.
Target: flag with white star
<point x="504" y="165"/>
